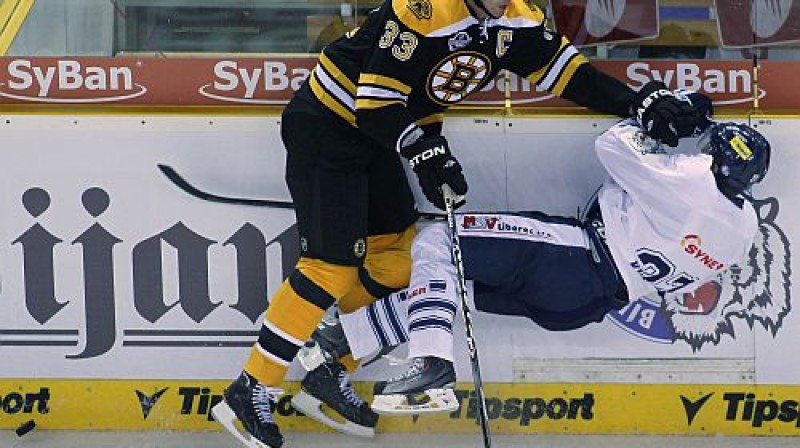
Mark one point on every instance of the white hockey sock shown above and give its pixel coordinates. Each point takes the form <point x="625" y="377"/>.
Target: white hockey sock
<point x="430" y="320"/>
<point x="421" y="315"/>
<point x="381" y="324"/>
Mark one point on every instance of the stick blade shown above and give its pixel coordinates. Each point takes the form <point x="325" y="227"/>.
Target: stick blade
<point x="184" y="185"/>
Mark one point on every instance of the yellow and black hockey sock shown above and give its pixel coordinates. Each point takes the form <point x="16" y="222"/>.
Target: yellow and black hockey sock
<point x="293" y="313"/>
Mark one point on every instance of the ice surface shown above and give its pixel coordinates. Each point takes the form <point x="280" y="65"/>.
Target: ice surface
<point x="107" y="439"/>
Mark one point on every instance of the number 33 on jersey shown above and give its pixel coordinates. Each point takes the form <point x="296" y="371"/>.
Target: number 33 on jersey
<point x="412" y="59"/>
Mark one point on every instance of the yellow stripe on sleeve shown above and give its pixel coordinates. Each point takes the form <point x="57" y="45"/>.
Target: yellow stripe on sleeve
<point x="330" y="101"/>
<point x="567" y="74"/>
<point x="384" y="81"/>
<point x="430" y="119"/>
<point x="337" y="74"/>
<point x="537" y="76"/>
<point x="373" y="103"/>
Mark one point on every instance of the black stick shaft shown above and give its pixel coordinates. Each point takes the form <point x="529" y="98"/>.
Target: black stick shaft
<point x="483" y="414"/>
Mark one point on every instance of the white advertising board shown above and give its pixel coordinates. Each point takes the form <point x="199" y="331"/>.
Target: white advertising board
<point x="109" y="271"/>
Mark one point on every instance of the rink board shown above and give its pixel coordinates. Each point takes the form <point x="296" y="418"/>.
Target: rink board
<point x="117" y="281"/>
<point x="512" y="408"/>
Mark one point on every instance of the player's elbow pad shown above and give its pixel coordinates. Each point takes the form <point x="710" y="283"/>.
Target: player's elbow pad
<point x="381" y="125"/>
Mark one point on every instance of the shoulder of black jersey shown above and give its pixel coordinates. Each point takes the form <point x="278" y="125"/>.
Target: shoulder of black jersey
<point x="431" y="18"/>
<point x="523" y="14"/>
<point x="436" y="18"/>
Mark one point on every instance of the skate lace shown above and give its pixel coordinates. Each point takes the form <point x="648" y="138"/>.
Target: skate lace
<point x="347" y="389"/>
<point x="263" y="399"/>
<point x="415" y="368"/>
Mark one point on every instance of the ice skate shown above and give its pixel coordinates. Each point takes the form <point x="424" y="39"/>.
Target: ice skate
<point x="326" y="394"/>
<point x="426" y="387"/>
<point x="252" y="404"/>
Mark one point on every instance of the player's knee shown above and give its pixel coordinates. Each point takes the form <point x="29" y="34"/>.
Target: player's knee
<point x="380" y="244"/>
<point x="336" y="280"/>
<point x="392" y="279"/>
<point x="389" y="260"/>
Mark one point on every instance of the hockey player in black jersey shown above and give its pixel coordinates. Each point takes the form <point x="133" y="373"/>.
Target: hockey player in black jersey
<point x="375" y="101"/>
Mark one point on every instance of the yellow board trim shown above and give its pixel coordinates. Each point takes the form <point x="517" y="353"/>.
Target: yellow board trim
<point x="385" y="81"/>
<point x="12" y="27"/>
<point x="521" y="408"/>
<point x="275" y="111"/>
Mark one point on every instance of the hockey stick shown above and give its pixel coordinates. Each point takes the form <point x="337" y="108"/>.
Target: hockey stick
<point x="184" y="185"/>
<point x="450" y="199"/>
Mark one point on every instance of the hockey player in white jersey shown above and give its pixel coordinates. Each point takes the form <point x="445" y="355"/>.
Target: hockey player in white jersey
<point x="661" y="223"/>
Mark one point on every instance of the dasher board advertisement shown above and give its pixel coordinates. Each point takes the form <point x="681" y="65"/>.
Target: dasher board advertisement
<point x="110" y="271"/>
<point x="258" y="82"/>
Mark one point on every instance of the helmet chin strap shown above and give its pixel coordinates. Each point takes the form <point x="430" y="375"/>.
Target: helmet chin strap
<point x="482" y="7"/>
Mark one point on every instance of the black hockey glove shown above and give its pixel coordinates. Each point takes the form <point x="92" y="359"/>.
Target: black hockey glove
<point x="431" y="160"/>
<point x="662" y="115"/>
<point x="704" y="108"/>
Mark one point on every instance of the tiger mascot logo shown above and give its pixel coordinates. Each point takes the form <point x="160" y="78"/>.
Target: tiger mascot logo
<point x="756" y="290"/>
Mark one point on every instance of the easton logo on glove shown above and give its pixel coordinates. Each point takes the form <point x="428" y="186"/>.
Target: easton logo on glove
<point x="428" y="153"/>
<point x="434" y="166"/>
<point x="664" y="116"/>
<point x="648" y="101"/>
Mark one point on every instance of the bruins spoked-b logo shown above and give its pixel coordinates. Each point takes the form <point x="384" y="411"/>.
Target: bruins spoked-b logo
<point x="457" y="76"/>
<point x="360" y="248"/>
<point x="421" y="8"/>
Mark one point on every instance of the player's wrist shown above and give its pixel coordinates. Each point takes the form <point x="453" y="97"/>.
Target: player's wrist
<point x="425" y="151"/>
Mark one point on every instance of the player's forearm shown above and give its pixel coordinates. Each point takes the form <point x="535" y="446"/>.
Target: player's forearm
<point x="600" y="92"/>
<point x="391" y="126"/>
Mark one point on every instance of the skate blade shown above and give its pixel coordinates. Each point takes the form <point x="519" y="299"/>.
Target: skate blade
<point x="312" y="407"/>
<point x="433" y="401"/>
<point x="225" y="416"/>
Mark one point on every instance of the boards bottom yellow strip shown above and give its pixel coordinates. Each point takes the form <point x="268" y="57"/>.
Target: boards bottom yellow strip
<point x="513" y="408"/>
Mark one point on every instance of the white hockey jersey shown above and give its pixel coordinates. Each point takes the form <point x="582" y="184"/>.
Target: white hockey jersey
<point x="667" y="225"/>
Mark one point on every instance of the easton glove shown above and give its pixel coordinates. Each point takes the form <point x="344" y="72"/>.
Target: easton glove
<point x="434" y="166"/>
<point x="662" y="115"/>
<point x="703" y="106"/>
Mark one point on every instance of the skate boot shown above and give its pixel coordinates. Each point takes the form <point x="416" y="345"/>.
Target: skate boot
<point x="252" y="404"/>
<point x="426" y="387"/>
<point x="326" y="394"/>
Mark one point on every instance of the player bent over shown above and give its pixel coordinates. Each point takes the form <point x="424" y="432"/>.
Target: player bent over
<point x="564" y="273"/>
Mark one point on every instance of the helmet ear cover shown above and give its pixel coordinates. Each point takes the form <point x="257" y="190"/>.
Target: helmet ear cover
<point x="741" y="156"/>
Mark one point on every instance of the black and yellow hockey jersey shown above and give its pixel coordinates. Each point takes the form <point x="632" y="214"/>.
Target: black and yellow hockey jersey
<point x="412" y="59"/>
